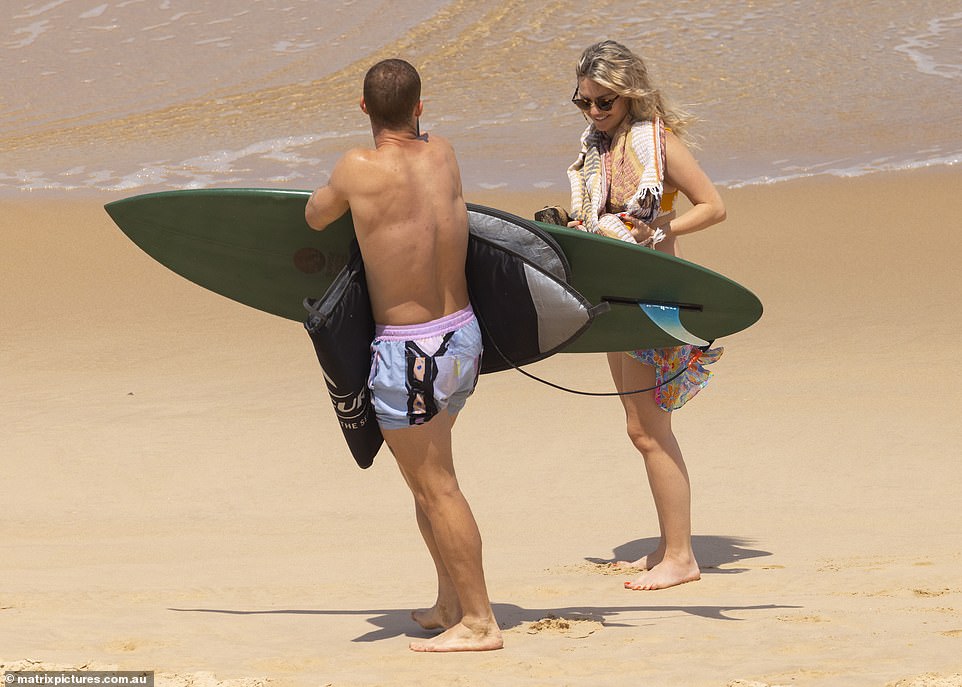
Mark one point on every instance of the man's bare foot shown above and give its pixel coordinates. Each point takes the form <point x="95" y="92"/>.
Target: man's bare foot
<point x="668" y="573"/>
<point x="460" y="637"/>
<point x="438" y="617"/>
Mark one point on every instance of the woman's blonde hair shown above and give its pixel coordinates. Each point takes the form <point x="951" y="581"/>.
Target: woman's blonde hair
<point x="612" y="65"/>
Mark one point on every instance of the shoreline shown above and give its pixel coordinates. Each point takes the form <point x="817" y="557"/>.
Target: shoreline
<point x="557" y="191"/>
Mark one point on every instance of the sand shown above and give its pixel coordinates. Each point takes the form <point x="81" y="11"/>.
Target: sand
<point x="177" y="498"/>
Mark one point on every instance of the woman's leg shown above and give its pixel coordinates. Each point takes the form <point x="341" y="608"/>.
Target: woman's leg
<point x="649" y="428"/>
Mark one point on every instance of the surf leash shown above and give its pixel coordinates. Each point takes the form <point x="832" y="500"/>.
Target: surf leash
<point x="696" y="354"/>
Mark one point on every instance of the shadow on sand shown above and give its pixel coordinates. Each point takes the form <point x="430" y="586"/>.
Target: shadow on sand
<point x="397" y="622"/>
<point x="711" y="551"/>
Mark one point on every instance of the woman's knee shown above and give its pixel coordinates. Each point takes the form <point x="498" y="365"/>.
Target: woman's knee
<point x="643" y="441"/>
<point x="648" y="439"/>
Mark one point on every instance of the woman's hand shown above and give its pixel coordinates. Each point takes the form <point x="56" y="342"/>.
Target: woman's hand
<point x="640" y="231"/>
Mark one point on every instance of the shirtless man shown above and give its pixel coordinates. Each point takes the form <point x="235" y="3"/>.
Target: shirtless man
<point x="412" y="228"/>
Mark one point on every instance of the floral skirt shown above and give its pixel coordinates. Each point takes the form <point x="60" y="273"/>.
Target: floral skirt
<point x="668" y="362"/>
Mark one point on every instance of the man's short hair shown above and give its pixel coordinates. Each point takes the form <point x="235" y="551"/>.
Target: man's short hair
<point x="392" y="89"/>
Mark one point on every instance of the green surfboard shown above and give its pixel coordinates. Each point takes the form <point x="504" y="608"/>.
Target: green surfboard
<point x="254" y="246"/>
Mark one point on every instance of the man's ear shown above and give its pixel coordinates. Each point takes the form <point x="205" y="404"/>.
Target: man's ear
<point x="419" y="109"/>
<point x="363" y="105"/>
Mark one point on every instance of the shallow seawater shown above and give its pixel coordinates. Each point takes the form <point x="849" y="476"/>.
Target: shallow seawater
<point x="140" y="95"/>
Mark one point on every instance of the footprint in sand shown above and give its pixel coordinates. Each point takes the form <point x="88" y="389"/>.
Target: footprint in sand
<point x="929" y="680"/>
<point x="621" y="569"/>
<point x="802" y="619"/>
<point x="926" y="593"/>
<point x="573" y="628"/>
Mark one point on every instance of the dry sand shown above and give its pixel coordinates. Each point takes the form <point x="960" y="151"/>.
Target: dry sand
<point x="177" y="498"/>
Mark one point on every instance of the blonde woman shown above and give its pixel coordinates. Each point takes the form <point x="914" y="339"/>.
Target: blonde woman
<point x="633" y="163"/>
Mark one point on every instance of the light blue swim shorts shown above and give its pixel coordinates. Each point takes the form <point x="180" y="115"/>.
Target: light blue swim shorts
<point x="418" y="370"/>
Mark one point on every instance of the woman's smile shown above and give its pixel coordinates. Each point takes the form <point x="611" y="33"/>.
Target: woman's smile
<point x="609" y="119"/>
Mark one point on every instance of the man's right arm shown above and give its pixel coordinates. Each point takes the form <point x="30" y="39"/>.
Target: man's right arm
<point x="329" y="202"/>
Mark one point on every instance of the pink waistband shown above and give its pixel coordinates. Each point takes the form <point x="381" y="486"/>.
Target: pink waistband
<point x="439" y="327"/>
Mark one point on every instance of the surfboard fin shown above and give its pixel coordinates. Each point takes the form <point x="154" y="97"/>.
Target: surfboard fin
<point x="666" y="318"/>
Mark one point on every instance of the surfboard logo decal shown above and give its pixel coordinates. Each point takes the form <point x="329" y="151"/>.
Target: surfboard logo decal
<point x="309" y="260"/>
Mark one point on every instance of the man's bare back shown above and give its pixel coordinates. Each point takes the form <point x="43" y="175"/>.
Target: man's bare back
<point x="411" y="224"/>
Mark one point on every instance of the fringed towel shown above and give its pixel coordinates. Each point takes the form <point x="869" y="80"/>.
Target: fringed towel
<point x="635" y="160"/>
<point x="613" y="184"/>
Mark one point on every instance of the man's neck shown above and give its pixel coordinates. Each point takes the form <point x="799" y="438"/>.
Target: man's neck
<point x="389" y="137"/>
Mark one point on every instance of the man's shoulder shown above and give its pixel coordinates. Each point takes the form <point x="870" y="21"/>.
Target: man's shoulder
<point x="439" y="141"/>
<point x="353" y="165"/>
<point x="357" y="157"/>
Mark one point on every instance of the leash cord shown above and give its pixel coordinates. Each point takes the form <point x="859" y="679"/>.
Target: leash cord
<point x="579" y="392"/>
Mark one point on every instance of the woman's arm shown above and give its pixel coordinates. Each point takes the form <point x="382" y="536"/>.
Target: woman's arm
<point x="683" y="172"/>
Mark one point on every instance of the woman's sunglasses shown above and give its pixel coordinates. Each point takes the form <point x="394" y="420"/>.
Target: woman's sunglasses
<point x="584" y="104"/>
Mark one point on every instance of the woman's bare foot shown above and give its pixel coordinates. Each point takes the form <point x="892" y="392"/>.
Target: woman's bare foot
<point x="460" y="637"/>
<point x="668" y="573"/>
<point x="646" y="562"/>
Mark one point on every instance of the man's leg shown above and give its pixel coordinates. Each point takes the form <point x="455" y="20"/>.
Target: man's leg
<point x="423" y="454"/>
<point x="446" y="611"/>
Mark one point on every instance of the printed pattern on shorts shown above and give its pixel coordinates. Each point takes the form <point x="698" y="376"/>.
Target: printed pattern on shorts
<point x="419" y="371"/>
<point x="422" y="371"/>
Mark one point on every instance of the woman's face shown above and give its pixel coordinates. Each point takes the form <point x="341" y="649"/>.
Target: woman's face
<point x="605" y="121"/>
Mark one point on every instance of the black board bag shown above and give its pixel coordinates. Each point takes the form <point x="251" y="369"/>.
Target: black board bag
<point x="518" y="284"/>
